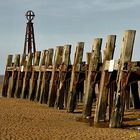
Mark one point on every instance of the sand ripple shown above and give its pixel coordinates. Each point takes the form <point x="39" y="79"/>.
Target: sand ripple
<point x="25" y="120"/>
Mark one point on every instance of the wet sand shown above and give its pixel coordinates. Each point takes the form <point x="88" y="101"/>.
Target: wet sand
<point x="25" y="120"/>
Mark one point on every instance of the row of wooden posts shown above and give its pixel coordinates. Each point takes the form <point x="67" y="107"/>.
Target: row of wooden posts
<point x="56" y="82"/>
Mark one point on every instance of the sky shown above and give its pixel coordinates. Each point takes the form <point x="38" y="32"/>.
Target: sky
<point x="59" y="22"/>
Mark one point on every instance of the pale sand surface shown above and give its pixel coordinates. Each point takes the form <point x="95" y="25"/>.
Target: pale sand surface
<point x="25" y="120"/>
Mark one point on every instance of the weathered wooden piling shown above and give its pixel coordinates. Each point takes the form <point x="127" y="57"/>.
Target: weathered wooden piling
<point x="34" y="77"/>
<point x="126" y="55"/>
<point x="40" y="75"/>
<point x="75" y="77"/>
<point x="20" y="77"/>
<point x="135" y="95"/>
<point x="91" y="79"/>
<point x="111" y="84"/>
<point x="88" y="57"/>
<point x="80" y="83"/>
<point x="100" y="112"/>
<point x="59" y="84"/>
<point x="132" y="81"/>
<point x="12" y="85"/>
<point x="7" y="76"/>
<point x="127" y="98"/>
<point x="44" y="91"/>
<point x="62" y="77"/>
<point x="27" y="76"/>
<point x="67" y="87"/>
<point x="55" y="76"/>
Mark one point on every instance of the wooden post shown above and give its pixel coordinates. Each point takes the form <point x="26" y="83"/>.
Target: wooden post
<point x="88" y="56"/>
<point x="12" y="84"/>
<point x="7" y="76"/>
<point x="111" y="96"/>
<point x="75" y="77"/>
<point x="126" y="55"/>
<point x="44" y="91"/>
<point x="92" y="71"/>
<point x="20" y="77"/>
<point x="34" y="77"/>
<point x="55" y="76"/>
<point x="67" y="87"/>
<point x="27" y="76"/>
<point x="39" y="81"/>
<point x="135" y="95"/>
<point x="62" y="77"/>
<point x="100" y="112"/>
<point x="127" y="98"/>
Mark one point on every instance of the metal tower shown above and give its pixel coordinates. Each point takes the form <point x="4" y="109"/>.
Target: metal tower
<point x="29" y="44"/>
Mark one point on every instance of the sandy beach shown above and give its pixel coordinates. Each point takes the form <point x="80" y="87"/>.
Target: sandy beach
<point x="25" y="120"/>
